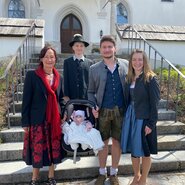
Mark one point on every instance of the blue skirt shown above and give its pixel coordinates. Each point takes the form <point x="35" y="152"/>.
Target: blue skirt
<point x="131" y="136"/>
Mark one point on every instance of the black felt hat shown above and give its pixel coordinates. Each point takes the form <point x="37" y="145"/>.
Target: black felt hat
<point x="78" y="38"/>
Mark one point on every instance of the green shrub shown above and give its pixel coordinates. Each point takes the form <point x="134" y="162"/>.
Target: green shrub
<point x="172" y="85"/>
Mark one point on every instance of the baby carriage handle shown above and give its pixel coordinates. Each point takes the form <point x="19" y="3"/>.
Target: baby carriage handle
<point x="81" y="102"/>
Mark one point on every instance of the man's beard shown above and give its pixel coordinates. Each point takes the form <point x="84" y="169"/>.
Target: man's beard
<point x="108" y="57"/>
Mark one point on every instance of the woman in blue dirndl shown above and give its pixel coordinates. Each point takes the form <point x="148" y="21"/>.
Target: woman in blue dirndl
<point x="139" y="136"/>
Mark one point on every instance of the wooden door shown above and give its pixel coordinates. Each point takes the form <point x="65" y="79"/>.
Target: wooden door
<point x="70" y="25"/>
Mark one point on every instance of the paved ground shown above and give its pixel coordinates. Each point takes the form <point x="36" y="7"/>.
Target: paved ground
<point x="172" y="178"/>
<point x="175" y="178"/>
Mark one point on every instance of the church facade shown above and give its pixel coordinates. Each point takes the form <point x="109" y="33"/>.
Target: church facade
<point x="93" y="18"/>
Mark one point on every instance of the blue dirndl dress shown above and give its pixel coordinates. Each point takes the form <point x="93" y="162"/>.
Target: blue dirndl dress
<point x="131" y="136"/>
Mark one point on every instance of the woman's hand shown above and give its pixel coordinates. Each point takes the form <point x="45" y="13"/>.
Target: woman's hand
<point x="147" y="130"/>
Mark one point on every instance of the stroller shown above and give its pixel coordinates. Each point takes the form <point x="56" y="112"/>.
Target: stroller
<point x="86" y="106"/>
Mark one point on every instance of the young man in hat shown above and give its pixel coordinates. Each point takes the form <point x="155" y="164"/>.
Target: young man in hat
<point x="76" y="70"/>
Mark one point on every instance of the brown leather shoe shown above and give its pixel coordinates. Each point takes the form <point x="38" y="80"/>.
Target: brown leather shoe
<point x="114" y="180"/>
<point x="100" y="180"/>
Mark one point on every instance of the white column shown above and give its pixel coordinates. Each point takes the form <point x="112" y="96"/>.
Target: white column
<point x="113" y="18"/>
<point x="2" y="8"/>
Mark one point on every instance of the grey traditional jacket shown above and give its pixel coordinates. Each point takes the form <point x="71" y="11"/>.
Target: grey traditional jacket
<point x="98" y="77"/>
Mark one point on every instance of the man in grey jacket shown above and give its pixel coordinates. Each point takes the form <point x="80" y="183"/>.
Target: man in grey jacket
<point x="106" y="85"/>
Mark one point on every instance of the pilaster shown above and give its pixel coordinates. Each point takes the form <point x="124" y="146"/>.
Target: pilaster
<point x="113" y="17"/>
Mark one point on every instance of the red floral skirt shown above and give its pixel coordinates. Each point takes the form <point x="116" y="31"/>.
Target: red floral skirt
<point x="39" y="149"/>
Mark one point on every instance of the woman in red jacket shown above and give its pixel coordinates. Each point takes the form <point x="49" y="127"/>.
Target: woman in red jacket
<point x="41" y="110"/>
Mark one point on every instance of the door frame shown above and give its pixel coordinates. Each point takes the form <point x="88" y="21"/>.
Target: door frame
<point x="59" y="16"/>
<point x="66" y="35"/>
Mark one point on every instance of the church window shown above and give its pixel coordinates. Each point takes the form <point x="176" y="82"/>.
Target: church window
<point x="16" y="9"/>
<point x="122" y="15"/>
<point x="66" y="23"/>
<point x="76" y="24"/>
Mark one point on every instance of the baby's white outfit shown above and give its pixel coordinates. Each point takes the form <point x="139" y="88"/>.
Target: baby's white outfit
<point x="78" y="134"/>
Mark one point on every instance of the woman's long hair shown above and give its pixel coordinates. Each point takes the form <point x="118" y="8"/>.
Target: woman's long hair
<point x="148" y="73"/>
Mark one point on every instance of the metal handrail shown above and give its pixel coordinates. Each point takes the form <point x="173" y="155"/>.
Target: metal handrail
<point x="16" y="69"/>
<point x="179" y="72"/>
<point x="32" y="27"/>
<point x="136" y="40"/>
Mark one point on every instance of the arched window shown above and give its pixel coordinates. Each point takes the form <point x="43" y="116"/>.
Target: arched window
<point x="122" y="15"/>
<point x="16" y="9"/>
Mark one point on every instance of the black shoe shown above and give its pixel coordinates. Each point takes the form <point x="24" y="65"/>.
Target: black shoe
<point x="51" y="181"/>
<point x="34" y="182"/>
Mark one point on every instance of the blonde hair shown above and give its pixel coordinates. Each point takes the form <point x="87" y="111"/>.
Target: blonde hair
<point x="148" y="73"/>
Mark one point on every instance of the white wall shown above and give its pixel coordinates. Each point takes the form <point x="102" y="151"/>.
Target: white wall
<point x="6" y="42"/>
<point x="1" y="8"/>
<point x="172" y="51"/>
<point x="15" y="42"/>
<point x="157" y="12"/>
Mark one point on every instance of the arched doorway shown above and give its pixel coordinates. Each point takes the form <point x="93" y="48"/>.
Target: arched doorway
<point x="70" y="25"/>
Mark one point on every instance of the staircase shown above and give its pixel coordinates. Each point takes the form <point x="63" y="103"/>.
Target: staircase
<point x="171" y="145"/>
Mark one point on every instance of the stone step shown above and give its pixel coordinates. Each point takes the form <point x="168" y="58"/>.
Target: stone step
<point x="18" y="96"/>
<point x="60" y="61"/>
<point x="167" y="115"/>
<point x="171" y="142"/>
<point x="162" y="104"/>
<point x="13" y="151"/>
<point x="59" y="55"/>
<point x="35" y="65"/>
<point x="35" y="60"/>
<point x="87" y="167"/>
<point x="20" y="87"/>
<point x="31" y="69"/>
<point x="63" y="56"/>
<point x="15" y="133"/>
<point x="15" y="119"/>
<point x="170" y="127"/>
<point x="163" y="114"/>
<point x="18" y="104"/>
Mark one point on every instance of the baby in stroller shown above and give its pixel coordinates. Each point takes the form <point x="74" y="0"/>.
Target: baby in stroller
<point x="81" y="131"/>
